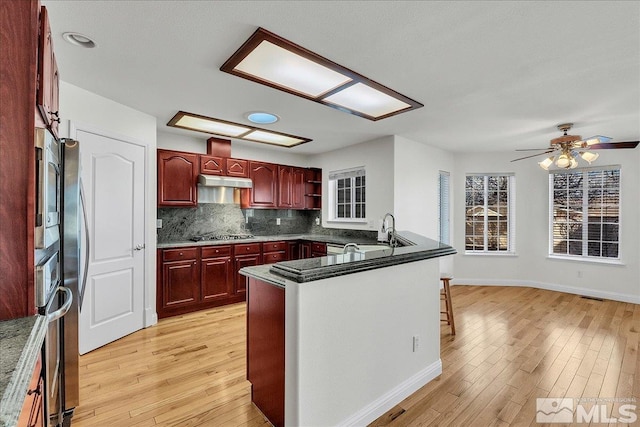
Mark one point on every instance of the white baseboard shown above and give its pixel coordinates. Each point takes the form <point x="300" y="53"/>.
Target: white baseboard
<point x="615" y="296"/>
<point x="378" y="407"/>
<point x="150" y="317"/>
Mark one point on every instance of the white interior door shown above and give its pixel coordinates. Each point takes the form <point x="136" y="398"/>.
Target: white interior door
<point x="112" y="172"/>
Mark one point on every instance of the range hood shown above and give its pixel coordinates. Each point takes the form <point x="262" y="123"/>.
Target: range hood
<point x="221" y="189"/>
<point x="224" y="181"/>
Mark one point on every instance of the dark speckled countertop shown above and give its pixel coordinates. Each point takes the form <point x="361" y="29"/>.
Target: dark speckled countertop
<point x="20" y="344"/>
<point x="414" y="248"/>
<point x="338" y="240"/>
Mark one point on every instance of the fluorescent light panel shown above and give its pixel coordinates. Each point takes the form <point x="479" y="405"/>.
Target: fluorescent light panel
<point x="269" y="59"/>
<point x="214" y="126"/>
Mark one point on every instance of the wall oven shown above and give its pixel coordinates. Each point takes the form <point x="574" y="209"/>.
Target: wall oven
<point x="47" y="231"/>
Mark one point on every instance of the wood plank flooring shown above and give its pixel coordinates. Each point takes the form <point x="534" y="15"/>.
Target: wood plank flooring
<point x="513" y="345"/>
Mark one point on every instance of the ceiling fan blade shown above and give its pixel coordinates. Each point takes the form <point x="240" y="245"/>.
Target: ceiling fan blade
<point x="608" y="145"/>
<point x="596" y="139"/>
<point x="534" y="155"/>
<point x="533" y="149"/>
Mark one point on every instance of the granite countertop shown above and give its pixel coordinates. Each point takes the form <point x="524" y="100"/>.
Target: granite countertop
<point x="414" y="248"/>
<point x="20" y="343"/>
<point x="324" y="238"/>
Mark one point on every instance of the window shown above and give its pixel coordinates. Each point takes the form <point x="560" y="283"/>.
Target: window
<point x="490" y="213"/>
<point x="443" y="206"/>
<point x="348" y="194"/>
<point x="585" y="213"/>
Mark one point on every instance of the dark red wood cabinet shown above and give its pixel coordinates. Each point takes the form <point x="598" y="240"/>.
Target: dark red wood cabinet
<point x="313" y="189"/>
<point x="274" y="252"/>
<point x="212" y="165"/>
<point x="179" y="274"/>
<point x="297" y="189"/>
<point x="216" y="273"/>
<point x="177" y="176"/>
<point x="285" y="187"/>
<point x="19" y="116"/>
<point x="245" y="255"/>
<point x="264" y="193"/>
<point x="32" y="413"/>
<point x="237" y="167"/>
<point x="48" y="79"/>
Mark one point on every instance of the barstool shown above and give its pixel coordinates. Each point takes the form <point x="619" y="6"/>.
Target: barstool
<point x="445" y="295"/>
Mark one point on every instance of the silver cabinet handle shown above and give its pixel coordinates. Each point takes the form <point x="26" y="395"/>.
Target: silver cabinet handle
<point x="65" y="307"/>
<point x="141" y="247"/>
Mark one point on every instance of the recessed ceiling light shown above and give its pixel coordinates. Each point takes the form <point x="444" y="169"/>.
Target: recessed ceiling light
<point x="79" y="40"/>
<point x="215" y="126"/>
<point x="269" y="59"/>
<point x="262" y="118"/>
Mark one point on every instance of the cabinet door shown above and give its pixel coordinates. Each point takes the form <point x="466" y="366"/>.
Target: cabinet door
<point x="285" y="187"/>
<point x="216" y="278"/>
<point x="264" y="191"/>
<point x="180" y="283"/>
<point x="32" y="413"/>
<point x="305" y="250"/>
<point x="211" y="165"/>
<point x="55" y="97"/>
<point x="293" y="250"/>
<point x="45" y="69"/>
<point x="297" y="189"/>
<point x="240" y="262"/>
<point x="237" y="167"/>
<point x="177" y="175"/>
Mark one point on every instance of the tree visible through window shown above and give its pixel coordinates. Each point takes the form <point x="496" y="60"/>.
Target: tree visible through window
<point x="585" y="210"/>
<point x="489" y="204"/>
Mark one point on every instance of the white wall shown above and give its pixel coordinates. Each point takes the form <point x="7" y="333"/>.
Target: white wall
<point x="531" y="266"/>
<point x="239" y="149"/>
<point x="377" y="158"/>
<point x="86" y="108"/>
<point x="350" y="359"/>
<point x="416" y="188"/>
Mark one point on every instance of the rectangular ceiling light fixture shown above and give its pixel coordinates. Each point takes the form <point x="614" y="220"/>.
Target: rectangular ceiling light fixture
<point x="269" y="59"/>
<point x="196" y="122"/>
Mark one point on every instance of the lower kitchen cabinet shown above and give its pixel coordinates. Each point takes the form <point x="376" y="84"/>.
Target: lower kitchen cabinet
<point x="216" y="273"/>
<point x="32" y="413"/>
<point x="245" y="255"/>
<point x="179" y="276"/>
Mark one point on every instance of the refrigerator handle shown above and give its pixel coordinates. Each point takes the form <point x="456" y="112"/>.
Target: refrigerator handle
<point x="65" y="307"/>
<point x="87" y="246"/>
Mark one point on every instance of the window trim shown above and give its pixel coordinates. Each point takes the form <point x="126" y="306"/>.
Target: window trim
<point x="511" y="205"/>
<point x="333" y="178"/>
<point x="586" y="258"/>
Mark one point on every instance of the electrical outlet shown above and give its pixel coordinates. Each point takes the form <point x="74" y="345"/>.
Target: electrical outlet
<point x="159" y="223"/>
<point x="317" y="221"/>
<point x="416" y="343"/>
<point x="277" y="221"/>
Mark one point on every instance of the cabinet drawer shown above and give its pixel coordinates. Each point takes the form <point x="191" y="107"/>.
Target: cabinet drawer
<point x="319" y="247"/>
<point x="179" y="254"/>
<point x="269" y="257"/>
<point x="247" y="248"/>
<point x="216" y="251"/>
<point x="274" y="246"/>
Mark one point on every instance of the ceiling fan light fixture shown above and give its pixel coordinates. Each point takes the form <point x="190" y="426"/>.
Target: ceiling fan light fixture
<point x="564" y="161"/>
<point x="589" y="156"/>
<point x="573" y="163"/>
<point x="546" y="163"/>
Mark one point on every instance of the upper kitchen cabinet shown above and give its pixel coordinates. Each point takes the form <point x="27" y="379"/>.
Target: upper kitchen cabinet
<point x="313" y="189"/>
<point x="265" y="189"/>
<point x="177" y="175"/>
<point x="297" y="190"/>
<point x="217" y="165"/>
<point x="285" y="187"/>
<point x="47" y="79"/>
<point x="237" y="167"/>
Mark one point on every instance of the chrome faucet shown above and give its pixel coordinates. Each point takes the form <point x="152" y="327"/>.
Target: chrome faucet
<point x="350" y="247"/>
<point x="391" y="235"/>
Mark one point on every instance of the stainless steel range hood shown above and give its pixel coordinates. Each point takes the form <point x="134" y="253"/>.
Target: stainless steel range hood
<point x="221" y="189"/>
<point x="224" y="181"/>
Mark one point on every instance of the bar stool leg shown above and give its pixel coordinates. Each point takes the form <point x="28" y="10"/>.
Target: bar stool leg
<point x="446" y="293"/>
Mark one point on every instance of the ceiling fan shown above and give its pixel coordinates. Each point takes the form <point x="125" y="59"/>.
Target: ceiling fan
<point x="566" y="149"/>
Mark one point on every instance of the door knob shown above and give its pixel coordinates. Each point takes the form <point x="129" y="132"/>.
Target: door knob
<point x="139" y="247"/>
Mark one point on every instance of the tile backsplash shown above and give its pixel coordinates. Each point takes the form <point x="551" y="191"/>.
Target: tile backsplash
<point x="179" y="224"/>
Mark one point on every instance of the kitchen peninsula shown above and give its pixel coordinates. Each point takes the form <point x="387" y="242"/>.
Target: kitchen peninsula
<point x="339" y="340"/>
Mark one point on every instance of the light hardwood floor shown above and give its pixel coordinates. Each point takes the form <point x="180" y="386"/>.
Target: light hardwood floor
<point x="513" y="345"/>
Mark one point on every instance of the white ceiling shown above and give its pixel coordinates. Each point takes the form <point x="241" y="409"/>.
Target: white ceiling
<point x="493" y="76"/>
